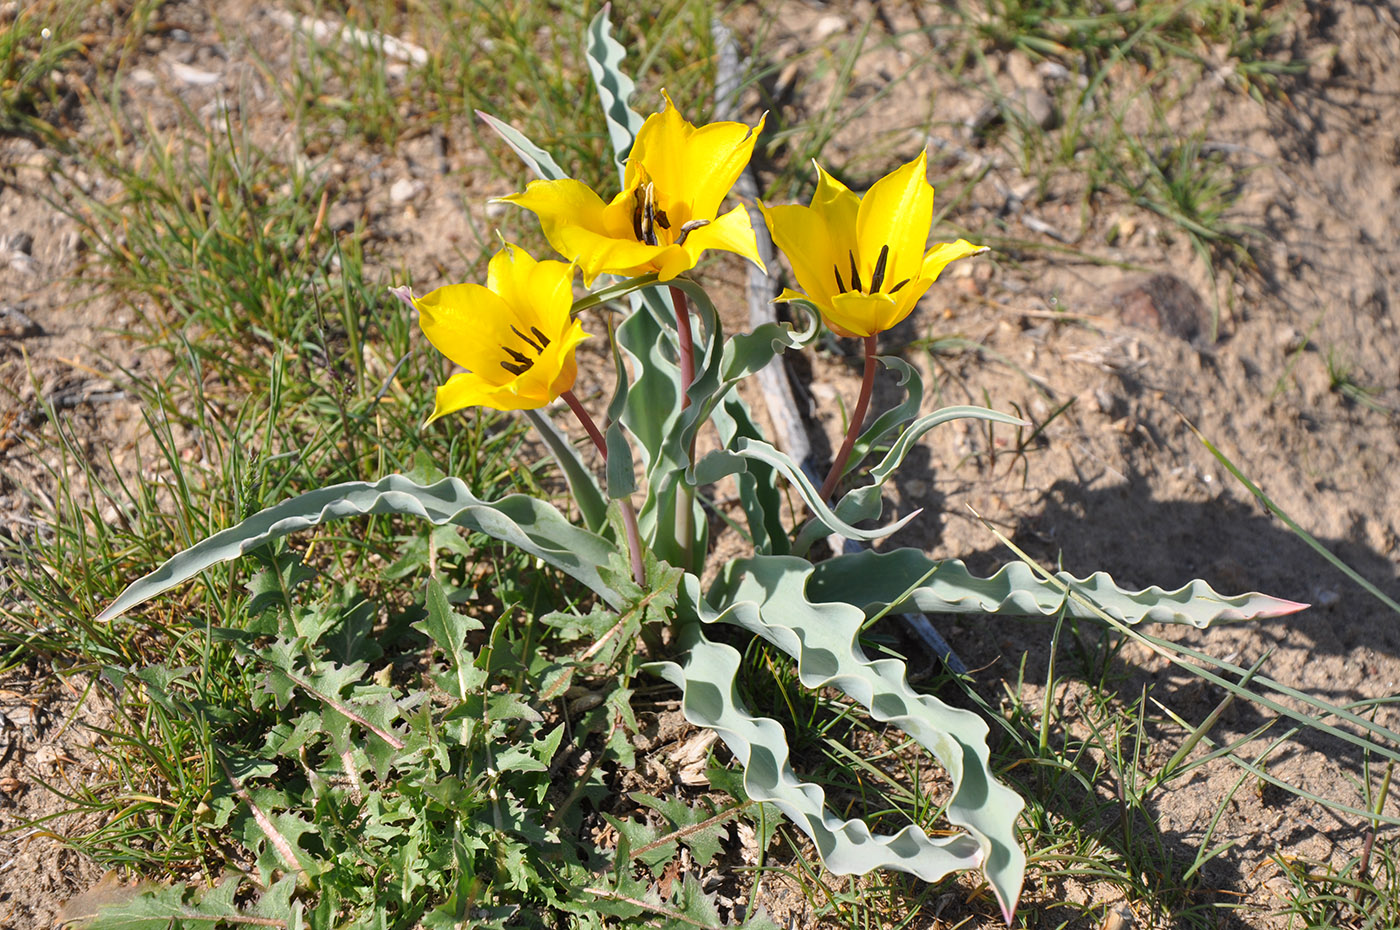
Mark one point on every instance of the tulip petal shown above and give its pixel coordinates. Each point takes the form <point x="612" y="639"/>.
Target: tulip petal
<point x="896" y="212"/>
<point x="581" y="227"/>
<point x="862" y="314"/>
<point x="467" y="389"/>
<point x="941" y="254"/>
<point x="732" y="232"/>
<point x="838" y="209"/>
<point x="467" y="323"/>
<point x="541" y="294"/>
<point x="804" y="236"/>
<point x="693" y="168"/>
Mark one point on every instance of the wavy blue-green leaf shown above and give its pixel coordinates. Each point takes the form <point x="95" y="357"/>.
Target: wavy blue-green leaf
<point x="532" y="525"/>
<point x="615" y="87"/>
<point x="767" y="596"/>
<point x="876" y="581"/>
<point x="582" y="484"/>
<point x="722" y="463"/>
<point x="759" y="495"/>
<point x="913" y="385"/>
<point x="622" y="469"/>
<point x="863" y="503"/>
<point x="535" y="158"/>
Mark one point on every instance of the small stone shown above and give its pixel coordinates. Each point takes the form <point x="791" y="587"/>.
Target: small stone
<point x="826" y="27"/>
<point x="197" y="77"/>
<point x="1162" y="302"/>
<point x="15" y="324"/>
<point x="142" y="77"/>
<point x="1036" y="107"/>
<point x="405" y="189"/>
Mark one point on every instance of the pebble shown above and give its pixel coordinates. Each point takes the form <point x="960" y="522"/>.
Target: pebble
<point x="1036" y="106"/>
<point x="197" y="77"/>
<point x="826" y="27"/>
<point x="405" y="189"/>
<point x="1162" y="302"/>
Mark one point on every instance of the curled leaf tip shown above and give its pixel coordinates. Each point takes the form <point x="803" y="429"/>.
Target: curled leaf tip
<point x="405" y="294"/>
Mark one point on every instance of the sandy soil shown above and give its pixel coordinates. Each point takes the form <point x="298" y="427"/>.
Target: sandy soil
<point x="1298" y="388"/>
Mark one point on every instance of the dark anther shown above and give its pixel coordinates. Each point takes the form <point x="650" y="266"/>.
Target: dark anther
<point x="689" y="228"/>
<point x="878" y="277"/>
<point x="644" y="214"/>
<point x="530" y="342"/>
<point x="899" y="285"/>
<point x="521" y="363"/>
<point x="661" y="219"/>
<point x="544" y="340"/>
<point x="855" y="273"/>
<point x="519" y="358"/>
<point x="840" y="285"/>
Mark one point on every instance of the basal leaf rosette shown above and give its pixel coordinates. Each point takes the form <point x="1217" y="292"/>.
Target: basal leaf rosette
<point x="667" y="213"/>
<point x="515" y="337"/>
<point x="861" y="260"/>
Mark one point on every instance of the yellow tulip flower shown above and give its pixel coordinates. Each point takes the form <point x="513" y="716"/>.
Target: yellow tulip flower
<point x="514" y="337"/>
<point x="667" y="213"/>
<point x="862" y="260"/>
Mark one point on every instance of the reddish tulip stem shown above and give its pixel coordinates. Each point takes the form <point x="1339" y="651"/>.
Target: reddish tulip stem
<point x="685" y="343"/>
<point x="685" y="348"/>
<point x="629" y="515"/>
<point x="867" y="384"/>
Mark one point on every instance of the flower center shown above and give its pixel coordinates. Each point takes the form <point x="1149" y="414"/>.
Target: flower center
<point x="647" y="218"/>
<point x="520" y="362"/>
<point x="877" y="277"/>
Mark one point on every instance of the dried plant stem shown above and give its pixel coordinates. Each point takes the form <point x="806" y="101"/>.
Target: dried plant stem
<point x="629" y="515"/>
<point x="867" y="384"/>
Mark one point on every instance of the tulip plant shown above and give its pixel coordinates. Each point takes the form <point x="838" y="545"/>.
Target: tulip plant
<point x="860" y="264"/>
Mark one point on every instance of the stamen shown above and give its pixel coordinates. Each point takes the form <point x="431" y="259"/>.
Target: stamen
<point x="855" y="273"/>
<point x="899" y="285"/>
<point x="840" y="285"/>
<point x="644" y="214"/>
<point x="661" y="219"/>
<point x="689" y="228"/>
<point x="878" y="277"/>
<point x="516" y="369"/>
<point x="519" y="358"/>
<point x="528" y="341"/>
<point x="544" y="340"/>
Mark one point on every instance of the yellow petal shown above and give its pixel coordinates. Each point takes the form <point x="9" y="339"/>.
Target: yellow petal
<point x="732" y="232"/>
<point x="941" y="254"/>
<point x="805" y="238"/>
<point x="567" y="373"/>
<point x="838" y="208"/>
<point x="896" y="212"/>
<point x="865" y="314"/>
<point x="540" y="293"/>
<point x="860" y="314"/>
<point x="693" y="168"/>
<point x="467" y="323"/>
<point x="583" y="229"/>
<point x="466" y="389"/>
<point x="904" y="301"/>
